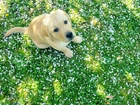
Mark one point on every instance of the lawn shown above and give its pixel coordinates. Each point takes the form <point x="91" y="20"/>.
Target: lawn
<point x="105" y="68"/>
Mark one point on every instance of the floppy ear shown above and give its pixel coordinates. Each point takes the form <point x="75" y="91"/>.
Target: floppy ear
<point x="45" y="28"/>
<point x="63" y="12"/>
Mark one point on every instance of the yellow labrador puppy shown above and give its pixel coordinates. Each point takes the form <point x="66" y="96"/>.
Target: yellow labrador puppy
<point x="52" y="29"/>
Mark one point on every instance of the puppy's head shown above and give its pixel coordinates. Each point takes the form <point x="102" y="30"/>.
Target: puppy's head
<point x="59" y="26"/>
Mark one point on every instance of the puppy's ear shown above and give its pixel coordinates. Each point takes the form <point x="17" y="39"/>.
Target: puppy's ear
<point x="63" y="12"/>
<point x="45" y="21"/>
<point x="45" y="28"/>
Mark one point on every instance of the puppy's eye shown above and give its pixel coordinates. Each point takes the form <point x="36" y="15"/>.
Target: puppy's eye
<point x="65" y="22"/>
<point x="56" y="30"/>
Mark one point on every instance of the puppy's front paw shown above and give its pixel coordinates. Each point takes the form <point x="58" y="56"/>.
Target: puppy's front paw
<point x="78" y="39"/>
<point x="69" y="53"/>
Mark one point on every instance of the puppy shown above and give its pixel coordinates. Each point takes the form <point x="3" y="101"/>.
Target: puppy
<point x="50" y="30"/>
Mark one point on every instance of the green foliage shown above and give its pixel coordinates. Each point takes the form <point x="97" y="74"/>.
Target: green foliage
<point x="105" y="64"/>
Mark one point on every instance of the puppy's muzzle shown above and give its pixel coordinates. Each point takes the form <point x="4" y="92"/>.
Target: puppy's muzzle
<point x="69" y="35"/>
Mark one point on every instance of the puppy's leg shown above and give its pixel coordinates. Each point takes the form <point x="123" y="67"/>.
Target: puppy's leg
<point x="64" y="49"/>
<point x="77" y="39"/>
<point x="67" y="52"/>
<point x="41" y="45"/>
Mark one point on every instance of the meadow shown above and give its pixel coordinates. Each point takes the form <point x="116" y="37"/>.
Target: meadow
<point x="105" y="68"/>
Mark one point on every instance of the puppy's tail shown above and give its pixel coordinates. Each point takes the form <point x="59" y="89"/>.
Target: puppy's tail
<point x="16" y="29"/>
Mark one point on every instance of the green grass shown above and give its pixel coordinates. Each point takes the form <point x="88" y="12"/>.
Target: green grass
<point x="106" y="63"/>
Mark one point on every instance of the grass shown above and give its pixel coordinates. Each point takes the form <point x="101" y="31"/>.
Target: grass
<point x="105" y="64"/>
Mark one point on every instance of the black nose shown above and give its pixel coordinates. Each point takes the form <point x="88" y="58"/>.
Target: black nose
<point x="69" y="35"/>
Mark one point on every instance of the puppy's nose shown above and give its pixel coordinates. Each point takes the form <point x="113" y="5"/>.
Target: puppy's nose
<point x="69" y="35"/>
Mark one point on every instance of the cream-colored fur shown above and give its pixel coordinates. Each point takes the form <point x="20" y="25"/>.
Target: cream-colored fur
<point x="52" y="29"/>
